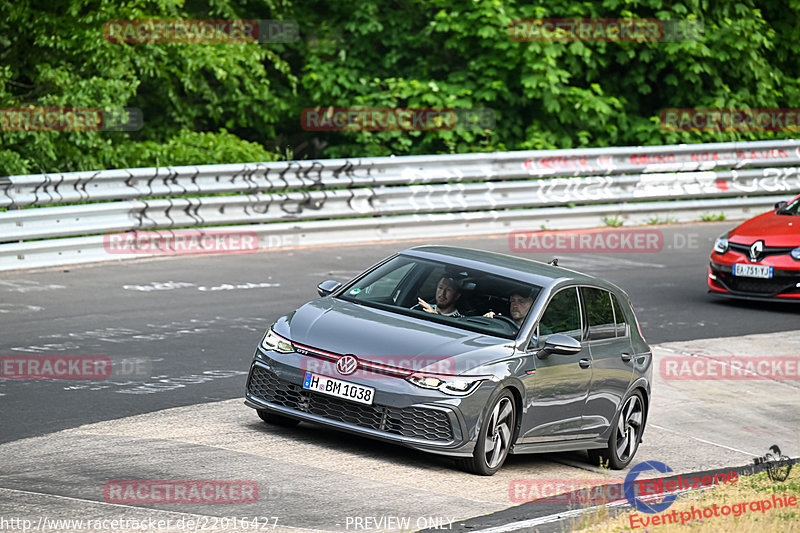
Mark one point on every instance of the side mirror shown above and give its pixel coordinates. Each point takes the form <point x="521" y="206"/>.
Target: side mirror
<point x="559" y="344"/>
<point x="780" y="205"/>
<point x="327" y="287"/>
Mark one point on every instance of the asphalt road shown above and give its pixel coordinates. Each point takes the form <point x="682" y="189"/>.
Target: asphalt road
<point x="181" y="330"/>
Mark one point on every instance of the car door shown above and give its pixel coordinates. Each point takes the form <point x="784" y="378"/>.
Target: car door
<point x="556" y="393"/>
<point x="609" y="343"/>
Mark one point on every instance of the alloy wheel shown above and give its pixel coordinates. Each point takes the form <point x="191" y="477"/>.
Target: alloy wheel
<point x="629" y="428"/>
<point x="498" y="432"/>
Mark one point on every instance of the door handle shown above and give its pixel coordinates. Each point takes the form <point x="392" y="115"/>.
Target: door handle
<point x="626" y="357"/>
<point x="585" y="363"/>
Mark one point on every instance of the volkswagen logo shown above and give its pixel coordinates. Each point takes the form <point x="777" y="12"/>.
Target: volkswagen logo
<point x="347" y="365"/>
<point x="755" y="250"/>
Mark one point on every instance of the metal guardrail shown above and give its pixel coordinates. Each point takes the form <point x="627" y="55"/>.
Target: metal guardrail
<point x="290" y="198"/>
<point x="42" y="189"/>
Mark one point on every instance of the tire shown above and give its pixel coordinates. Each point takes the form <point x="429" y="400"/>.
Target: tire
<point x="494" y="437"/>
<point x="625" y="436"/>
<point x="276" y="419"/>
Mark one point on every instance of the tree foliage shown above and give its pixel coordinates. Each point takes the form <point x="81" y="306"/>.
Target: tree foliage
<point x="222" y="103"/>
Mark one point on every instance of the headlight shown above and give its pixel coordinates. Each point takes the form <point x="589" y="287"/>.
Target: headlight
<point x="721" y="244"/>
<point x="795" y="254"/>
<point x="453" y="385"/>
<point x="276" y="343"/>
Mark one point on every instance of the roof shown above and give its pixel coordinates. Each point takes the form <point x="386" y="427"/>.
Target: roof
<point x="517" y="268"/>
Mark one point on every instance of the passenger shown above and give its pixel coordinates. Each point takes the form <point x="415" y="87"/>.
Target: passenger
<point x="518" y="307"/>
<point x="447" y="294"/>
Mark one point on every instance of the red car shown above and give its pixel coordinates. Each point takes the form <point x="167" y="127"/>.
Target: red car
<point x="760" y="259"/>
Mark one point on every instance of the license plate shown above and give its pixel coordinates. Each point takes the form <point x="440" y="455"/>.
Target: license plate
<point x="338" y="388"/>
<point x="752" y="271"/>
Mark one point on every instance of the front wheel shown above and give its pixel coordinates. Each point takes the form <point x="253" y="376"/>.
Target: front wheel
<point x="625" y="437"/>
<point x="494" y="438"/>
<point x="278" y="420"/>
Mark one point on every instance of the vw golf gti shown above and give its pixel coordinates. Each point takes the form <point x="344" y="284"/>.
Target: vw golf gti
<point x="464" y="353"/>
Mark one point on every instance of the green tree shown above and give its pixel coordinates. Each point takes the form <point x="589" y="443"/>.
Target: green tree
<point x="193" y="97"/>
<point x="452" y="53"/>
<point x="222" y="103"/>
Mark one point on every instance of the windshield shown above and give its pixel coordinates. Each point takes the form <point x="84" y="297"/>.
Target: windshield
<point x="793" y="208"/>
<point x="464" y="298"/>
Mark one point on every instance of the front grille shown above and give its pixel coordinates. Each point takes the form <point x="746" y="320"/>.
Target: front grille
<point x="416" y="422"/>
<point x="758" y="286"/>
<point x="766" y="252"/>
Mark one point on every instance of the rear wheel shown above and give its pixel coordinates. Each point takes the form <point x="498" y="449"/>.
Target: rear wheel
<point x="278" y="420"/>
<point x="494" y="438"/>
<point x="625" y="437"/>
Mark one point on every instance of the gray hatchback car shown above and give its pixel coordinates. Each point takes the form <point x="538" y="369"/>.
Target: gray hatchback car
<point x="465" y="353"/>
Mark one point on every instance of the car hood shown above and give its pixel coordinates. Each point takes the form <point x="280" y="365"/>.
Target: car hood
<point x="380" y="336"/>
<point x="775" y="230"/>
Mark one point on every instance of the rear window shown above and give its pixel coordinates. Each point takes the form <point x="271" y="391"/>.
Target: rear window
<point x="600" y="313"/>
<point x="619" y="318"/>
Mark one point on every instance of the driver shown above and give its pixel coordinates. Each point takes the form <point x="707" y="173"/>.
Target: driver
<point x="518" y="307"/>
<point x="447" y="294"/>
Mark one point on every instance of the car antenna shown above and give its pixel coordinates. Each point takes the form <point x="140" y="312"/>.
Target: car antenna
<point x="554" y="262"/>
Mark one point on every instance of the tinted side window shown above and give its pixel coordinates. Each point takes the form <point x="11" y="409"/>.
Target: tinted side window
<point x="561" y="316"/>
<point x="622" y="326"/>
<point x="599" y="313"/>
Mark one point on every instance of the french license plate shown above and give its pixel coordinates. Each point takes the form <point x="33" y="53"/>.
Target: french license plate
<point x="752" y="271"/>
<point x="338" y="388"/>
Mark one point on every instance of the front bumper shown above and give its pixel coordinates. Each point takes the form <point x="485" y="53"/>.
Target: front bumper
<point x="401" y="413"/>
<point x="782" y="286"/>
